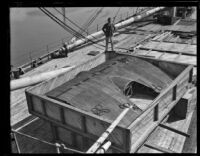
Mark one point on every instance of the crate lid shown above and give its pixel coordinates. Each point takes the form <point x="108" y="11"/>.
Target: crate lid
<point x="101" y="90"/>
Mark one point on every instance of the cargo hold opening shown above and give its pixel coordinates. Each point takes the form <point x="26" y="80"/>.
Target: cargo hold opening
<point x="140" y="94"/>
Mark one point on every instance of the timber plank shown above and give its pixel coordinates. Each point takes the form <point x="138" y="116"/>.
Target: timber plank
<point x="173" y="47"/>
<point x="167" y="139"/>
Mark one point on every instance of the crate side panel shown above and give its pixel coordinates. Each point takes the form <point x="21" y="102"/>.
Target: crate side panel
<point x="37" y="105"/>
<point x="65" y="135"/>
<point x="171" y="69"/>
<point x="79" y="142"/>
<point x="140" y="127"/>
<point x="73" y="118"/>
<point x="116" y="137"/>
<point x="95" y="127"/>
<point x="53" y="111"/>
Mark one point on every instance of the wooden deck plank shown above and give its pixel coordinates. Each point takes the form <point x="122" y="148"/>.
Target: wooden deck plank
<point x="190" y="145"/>
<point x="173" y="47"/>
<point x="170" y="57"/>
<point x="168" y="139"/>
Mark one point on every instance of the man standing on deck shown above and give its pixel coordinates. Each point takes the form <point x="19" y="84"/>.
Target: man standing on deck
<point x="108" y="30"/>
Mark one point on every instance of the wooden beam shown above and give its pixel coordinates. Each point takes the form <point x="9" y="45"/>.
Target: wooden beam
<point x="127" y="140"/>
<point x="153" y="58"/>
<point x="29" y="100"/>
<point x="168" y="51"/>
<point x="174" y="93"/>
<point x="174" y="42"/>
<point x="190" y="75"/>
<point x="74" y="142"/>
<point x="84" y="129"/>
<point x="158" y="148"/>
<point x="155" y="118"/>
<point x="44" y="107"/>
<point x="62" y="115"/>
<point x="174" y="130"/>
<point x="54" y="132"/>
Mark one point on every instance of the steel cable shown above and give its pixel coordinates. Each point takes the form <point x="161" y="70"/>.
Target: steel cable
<point x="69" y="29"/>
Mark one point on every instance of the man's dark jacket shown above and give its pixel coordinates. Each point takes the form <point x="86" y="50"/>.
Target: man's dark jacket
<point x="108" y="29"/>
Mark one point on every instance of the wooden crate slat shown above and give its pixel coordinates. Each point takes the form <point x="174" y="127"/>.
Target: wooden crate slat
<point x="53" y="111"/>
<point x="37" y="104"/>
<point x="65" y="135"/>
<point x="73" y="118"/>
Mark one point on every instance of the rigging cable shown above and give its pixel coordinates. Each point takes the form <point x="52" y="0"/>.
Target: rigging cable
<point x="116" y="14"/>
<point x="77" y="24"/>
<point x="91" y="20"/>
<point x="80" y="36"/>
<point x="93" y="36"/>
<point x="56" y="20"/>
<point x="70" y="20"/>
<point x="69" y="29"/>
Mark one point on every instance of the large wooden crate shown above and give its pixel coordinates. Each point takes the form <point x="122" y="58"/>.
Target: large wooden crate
<point x="80" y="129"/>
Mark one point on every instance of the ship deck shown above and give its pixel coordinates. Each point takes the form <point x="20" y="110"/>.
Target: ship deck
<point x="143" y="36"/>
